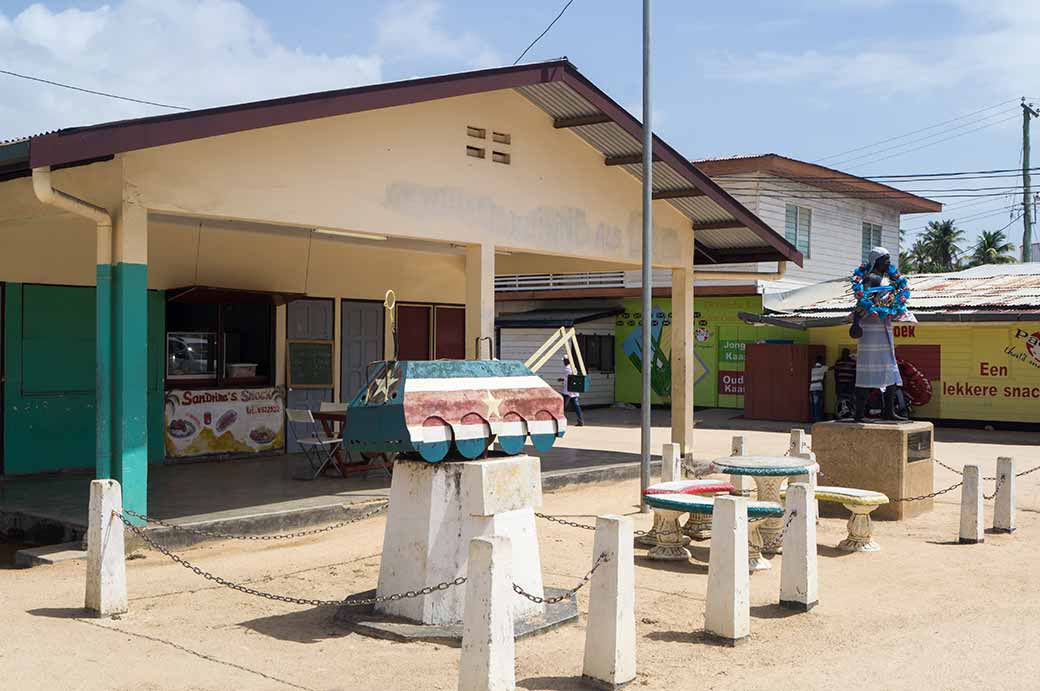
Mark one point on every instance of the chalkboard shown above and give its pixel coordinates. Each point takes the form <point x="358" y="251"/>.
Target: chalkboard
<point x="310" y="364"/>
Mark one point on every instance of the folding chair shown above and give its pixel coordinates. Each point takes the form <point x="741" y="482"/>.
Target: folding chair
<point x="319" y="450"/>
<point x="382" y="459"/>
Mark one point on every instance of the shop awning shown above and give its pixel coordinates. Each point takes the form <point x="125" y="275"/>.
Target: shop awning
<point x="209" y="295"/>
<point x="554" y="318"/>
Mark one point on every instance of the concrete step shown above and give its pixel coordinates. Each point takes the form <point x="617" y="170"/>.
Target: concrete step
<point x="49" y="554"/>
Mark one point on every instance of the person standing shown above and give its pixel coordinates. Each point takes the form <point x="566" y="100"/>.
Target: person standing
<point x="571" y="397"/>
<point x="816" y="376"/>
<point x="845" y="385"/>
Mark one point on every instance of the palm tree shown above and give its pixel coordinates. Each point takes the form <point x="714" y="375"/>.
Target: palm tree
<point x="941" y="240"/>
<point x="919" y="257"/>
<point x="993" y="248"/>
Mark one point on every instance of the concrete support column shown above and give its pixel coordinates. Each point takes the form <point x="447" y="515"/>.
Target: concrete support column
<point x="1004" y="511"/>
<point x="971" y="507"/>
<point x="488" y="661"/>
<point x="130" y="353"/>
<point x="682" y="358"/>
<point x="727" y="614"/>
<point x="106" y="563"/>
<point x="480" y="300"/>
<point x="610" y="638"/>
<point x="798" y="581"/>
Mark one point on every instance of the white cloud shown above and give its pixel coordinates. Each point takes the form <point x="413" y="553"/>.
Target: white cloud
<point x="194" y="53"/>
<point x="994" y="50"/>
<point x="411" y="27"/>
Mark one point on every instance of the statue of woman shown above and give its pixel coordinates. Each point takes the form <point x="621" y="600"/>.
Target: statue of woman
<point x="876" y="366"/>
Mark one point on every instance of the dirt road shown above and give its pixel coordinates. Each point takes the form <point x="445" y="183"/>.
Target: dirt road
<point x="922" y="613"/>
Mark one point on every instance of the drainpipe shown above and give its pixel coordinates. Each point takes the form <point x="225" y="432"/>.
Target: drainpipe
<point x="46" y="193"/>
<point x="781" y="270"/>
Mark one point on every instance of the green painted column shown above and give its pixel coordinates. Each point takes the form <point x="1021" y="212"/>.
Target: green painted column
<point x="130" y="383"/>
<point x="103" y="364"/>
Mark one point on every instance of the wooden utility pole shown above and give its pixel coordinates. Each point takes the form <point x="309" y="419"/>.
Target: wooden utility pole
<point x="1027" y="216"/>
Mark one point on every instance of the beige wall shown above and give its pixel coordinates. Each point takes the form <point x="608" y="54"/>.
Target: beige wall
<point x="404" y="171"/>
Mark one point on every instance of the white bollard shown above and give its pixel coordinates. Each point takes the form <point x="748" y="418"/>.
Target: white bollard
<point x="1004" y="509"/>
<point x="971" y="507"/>
<point x="106" y="551"/>
<point x="610" y="637"/>
<point x="488" y="661"/>
<point x="671" y="463"/>
<point x="799" y="444"/>
<point x="799" y="588"/>
<point x="727" y="614"/>
<point x="742" y="484"/>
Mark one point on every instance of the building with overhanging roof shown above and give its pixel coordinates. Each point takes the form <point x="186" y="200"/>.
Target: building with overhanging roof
<point x="170" y="283"/>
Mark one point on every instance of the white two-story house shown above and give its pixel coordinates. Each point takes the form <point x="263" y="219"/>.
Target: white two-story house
<point x="832" y="217"/>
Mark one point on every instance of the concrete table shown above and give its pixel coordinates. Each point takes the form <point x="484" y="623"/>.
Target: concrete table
<point x="768" y="472"/>
<point x="671" y="506"/>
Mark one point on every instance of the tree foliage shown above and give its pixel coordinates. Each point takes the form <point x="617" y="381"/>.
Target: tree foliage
<point x="993" y="248"/>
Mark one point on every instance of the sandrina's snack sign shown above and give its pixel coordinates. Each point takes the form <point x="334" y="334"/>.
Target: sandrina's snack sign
<point x="201" y="422"/>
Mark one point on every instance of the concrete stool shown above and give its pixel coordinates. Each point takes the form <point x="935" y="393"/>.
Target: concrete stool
<point x="861" y="502"/>
<point x="669" y="545"/>
<point x="699" y="487"/>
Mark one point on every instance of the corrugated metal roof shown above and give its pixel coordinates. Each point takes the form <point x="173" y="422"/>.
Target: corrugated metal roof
<point x="559" y="100"/>
<point x="955" y="293"/>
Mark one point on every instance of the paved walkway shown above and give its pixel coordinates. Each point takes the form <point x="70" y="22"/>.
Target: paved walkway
<point x="248" y="488"/>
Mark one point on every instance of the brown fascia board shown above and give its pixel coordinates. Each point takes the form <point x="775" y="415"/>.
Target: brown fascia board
<point x="633" y="127"/>
<point x="128" y="135"/>
<point x="822" y="177"/>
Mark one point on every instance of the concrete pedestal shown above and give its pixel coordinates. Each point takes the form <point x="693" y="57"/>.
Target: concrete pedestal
<point x="435" y="510"/>
<point x="894" y="458"/>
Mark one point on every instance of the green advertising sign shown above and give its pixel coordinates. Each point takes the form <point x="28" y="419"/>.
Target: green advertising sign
<point x="720" y="340"/>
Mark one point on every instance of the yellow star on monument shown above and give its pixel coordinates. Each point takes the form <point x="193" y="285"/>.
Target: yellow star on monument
<point x="494" y="405"/>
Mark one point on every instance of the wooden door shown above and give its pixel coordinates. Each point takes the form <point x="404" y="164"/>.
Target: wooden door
<point x="449" y="333"/>
<point x="413" y="332"/>
<point x="362" y="344"/>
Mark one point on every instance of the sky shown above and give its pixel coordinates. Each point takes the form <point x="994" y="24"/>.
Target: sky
<point x="810" y="79"/>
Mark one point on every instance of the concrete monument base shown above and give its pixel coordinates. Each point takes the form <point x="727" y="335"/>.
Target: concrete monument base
<point x="435" y="510"/>
<point x="893" y="458"/>
<point x="366" y="621"/>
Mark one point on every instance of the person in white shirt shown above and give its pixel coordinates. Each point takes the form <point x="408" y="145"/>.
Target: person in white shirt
<point x="571" y="397"/>
<point x="819" y="370"/>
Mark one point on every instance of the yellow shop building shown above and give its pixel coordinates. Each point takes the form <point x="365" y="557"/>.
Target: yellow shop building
<point x="976" y="340"/>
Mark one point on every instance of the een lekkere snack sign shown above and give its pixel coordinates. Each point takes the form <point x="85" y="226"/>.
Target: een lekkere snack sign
<point x="224" y="421"/>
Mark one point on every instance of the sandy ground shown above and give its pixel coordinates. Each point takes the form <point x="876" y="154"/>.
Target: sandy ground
<point x="925" y="612"/>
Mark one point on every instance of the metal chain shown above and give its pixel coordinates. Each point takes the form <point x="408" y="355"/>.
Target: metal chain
<point x="779" y="539"/>
<point x="959" y="472"/>
<point x="278" y="536"/>
<point x="346" y="602"/>
<point x="601" y="559"/>
<point x="987" y="497"/>
<point x="950" y="468"/>
<point x="931" y="495"/>
<point x="583" y="526"/>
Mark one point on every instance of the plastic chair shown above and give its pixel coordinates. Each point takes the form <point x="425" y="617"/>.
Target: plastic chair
<point x="319" y="450"/>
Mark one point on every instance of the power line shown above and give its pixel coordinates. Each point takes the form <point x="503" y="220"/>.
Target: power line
<point x="544" y="32"/>
<point x="923" y="129"/>
<point x="963" y="174"/>
<point x="938" y="141"/>
<point x="902" y="145"/>
<point x="91" y="91"/>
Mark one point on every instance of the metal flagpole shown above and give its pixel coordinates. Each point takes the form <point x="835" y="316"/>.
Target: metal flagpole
<point x="648" y="185"/>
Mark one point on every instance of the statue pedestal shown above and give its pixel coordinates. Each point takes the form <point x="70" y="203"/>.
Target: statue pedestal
<point x="889" y="457"/>
<point x="435" y="510"/>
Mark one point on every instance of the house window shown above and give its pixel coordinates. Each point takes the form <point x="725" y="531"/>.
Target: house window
<point x="219" y="344"/>
<point x="798" y="228"/>
<point x="871" y="237"/>
<point x="597" y="352"/>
